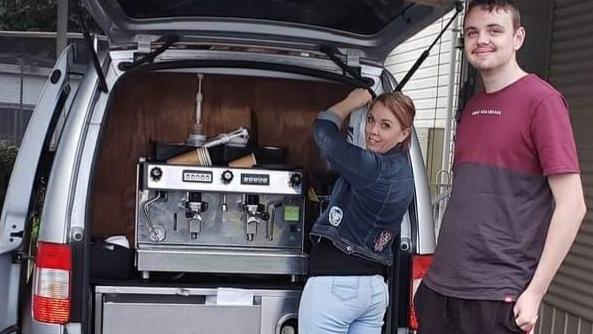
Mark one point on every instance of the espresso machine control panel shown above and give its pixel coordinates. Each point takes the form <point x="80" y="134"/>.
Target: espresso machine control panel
<point x="196" y="218"/>
<point x="220" y="179"/>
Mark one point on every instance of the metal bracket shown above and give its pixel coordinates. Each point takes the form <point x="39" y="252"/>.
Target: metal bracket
<point x="353" y="58"/>
<point x="144" y="44"/>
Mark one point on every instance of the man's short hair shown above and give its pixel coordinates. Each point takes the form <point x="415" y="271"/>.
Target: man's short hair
<point x="490" y="5"/>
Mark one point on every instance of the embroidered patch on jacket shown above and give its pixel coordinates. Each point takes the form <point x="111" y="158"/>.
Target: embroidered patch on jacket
<point x="382" y="240"/>
<point x="335" y="215"/>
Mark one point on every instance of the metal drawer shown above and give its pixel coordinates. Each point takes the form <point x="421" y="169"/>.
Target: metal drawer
<point x="152" y="310"/>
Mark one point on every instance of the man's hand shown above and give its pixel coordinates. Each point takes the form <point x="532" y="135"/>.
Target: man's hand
<point x="568" y="213"/>
<point x="526" y="310"/>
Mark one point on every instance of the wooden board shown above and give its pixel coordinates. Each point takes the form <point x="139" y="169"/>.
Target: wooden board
<point x="161" y="107"/>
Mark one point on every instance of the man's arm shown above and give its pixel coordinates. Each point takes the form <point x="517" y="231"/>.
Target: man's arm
<point x="569" y="211"/>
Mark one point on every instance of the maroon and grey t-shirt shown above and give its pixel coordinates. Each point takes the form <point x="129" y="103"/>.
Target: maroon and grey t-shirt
<point x="500" y="208"/>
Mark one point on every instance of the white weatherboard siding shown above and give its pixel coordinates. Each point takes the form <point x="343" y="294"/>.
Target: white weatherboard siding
<point x="568" y="306"/>
<point x="433" y="87"/>
<point x="429" y="86"/>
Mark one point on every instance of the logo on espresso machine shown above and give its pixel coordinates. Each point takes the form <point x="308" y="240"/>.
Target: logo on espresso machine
<point x="255" y="179"/>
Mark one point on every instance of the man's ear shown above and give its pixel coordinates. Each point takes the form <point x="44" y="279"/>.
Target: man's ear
<point x="519" y="38"/>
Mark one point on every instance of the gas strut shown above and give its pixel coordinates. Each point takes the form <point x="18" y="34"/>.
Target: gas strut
<point x="89" y="43"/>
<point x="424" y="55"/>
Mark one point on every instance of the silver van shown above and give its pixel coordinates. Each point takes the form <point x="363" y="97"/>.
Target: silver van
<point x="172" y="190"/>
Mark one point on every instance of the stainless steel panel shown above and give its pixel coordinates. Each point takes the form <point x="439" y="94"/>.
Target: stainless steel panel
<point x="123" y="317"/>
<point x="222" y="261"/>
<point x="217" y="227"/>
<point x="190" y="310"/>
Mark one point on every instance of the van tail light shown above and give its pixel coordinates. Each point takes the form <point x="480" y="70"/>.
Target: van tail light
<point x="420" y="265"/>
<point x="52" y="282"/>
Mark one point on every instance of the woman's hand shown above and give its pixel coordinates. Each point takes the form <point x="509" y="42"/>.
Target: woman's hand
<point x="357" y="98"/>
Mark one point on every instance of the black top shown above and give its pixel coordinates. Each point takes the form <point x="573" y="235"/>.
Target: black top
<point x="327" y="260"/>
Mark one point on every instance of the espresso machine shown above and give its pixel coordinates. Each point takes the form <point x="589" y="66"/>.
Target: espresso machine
<point x="219" y="220"/>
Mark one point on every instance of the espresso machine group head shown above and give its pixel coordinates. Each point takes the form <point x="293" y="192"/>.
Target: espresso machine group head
<point x="255" y="214"/>
<point x="194" y="207"/>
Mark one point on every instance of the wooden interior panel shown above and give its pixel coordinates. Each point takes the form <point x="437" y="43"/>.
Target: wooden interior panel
<point x="161" y="106"/>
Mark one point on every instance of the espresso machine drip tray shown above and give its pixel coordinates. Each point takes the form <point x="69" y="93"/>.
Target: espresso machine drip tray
<point x="216" y="219"/>
<point x="223" y="261"/>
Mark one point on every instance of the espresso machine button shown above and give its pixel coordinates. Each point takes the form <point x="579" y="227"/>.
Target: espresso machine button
<point x="156" y="173"/>
<point x="295" y="180"/>
<point x="227" y="176"/>
<point x="264" y="216"/>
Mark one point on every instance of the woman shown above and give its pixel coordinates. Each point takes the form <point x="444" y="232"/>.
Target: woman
<point x="346" y="291"/>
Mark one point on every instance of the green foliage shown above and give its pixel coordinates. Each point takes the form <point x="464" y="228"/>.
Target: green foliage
<point x="37" y="15"/>
<point x="7" y="157"/>
<point x="29" y="15"/>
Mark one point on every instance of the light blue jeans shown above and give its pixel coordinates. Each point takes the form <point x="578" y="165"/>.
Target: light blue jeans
<point x="343" y="305"/>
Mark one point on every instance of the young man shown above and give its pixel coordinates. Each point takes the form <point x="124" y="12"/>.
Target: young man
<point x="517" y="200"/>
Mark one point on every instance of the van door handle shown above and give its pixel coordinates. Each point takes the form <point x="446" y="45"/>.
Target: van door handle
<point x="18" y="234"/>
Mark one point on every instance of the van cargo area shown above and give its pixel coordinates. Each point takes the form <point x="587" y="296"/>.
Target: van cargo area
<point x="159" y="107"/>
<point x="212" y="248"/>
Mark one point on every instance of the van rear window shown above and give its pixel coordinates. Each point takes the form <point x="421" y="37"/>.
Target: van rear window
<point x="365" y="17"/>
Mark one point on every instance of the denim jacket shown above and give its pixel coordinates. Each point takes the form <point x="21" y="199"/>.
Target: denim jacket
<point x="369" y="198"/>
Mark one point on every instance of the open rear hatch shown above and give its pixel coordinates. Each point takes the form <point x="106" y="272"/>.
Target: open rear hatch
<point x="370" y="28"/>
